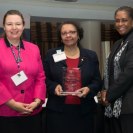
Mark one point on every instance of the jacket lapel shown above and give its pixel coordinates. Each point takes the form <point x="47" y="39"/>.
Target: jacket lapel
<point x="113" y="51"/>
<point x="82" y="58"/>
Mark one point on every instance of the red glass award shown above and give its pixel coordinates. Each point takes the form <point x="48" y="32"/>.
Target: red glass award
<point x="71" y="80"/>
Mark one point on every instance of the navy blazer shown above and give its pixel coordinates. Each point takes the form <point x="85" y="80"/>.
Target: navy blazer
<point x="123" y="86"/>
<point x="90" y="76"/>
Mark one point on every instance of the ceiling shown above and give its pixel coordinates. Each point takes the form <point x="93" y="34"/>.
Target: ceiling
<point x="82" y="9"/>
<point x="95" y="2"/>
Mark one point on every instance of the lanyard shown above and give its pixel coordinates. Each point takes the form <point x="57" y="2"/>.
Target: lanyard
<point x="16" y="57"/>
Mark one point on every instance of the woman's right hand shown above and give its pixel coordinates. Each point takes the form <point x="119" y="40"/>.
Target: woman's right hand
<point x="102" y="97"/>
<point x="19" y="107"/>
<point x="58" y="90"/>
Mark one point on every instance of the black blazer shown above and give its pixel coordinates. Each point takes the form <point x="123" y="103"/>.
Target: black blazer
<point x="123" y="86"/>
<point x="90" y="76"/>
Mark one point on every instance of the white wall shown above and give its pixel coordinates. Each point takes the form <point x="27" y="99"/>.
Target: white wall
<point x="92" y="35"/>
<point x="58" y="10"/>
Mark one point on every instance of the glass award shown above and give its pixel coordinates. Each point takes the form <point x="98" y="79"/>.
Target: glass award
<point x="71" y="81"/>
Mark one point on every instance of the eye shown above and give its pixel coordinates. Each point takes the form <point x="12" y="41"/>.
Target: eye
<point x="124" y="20"/>
<point x="64" y="33"/>
<point x="121" y="20"/>
<point x="8" y="24"/>
<point x="70" y="33"/>
<point x="19" y="24"/>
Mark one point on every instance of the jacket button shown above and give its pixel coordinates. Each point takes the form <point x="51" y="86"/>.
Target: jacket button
<point x="22" y="91"/>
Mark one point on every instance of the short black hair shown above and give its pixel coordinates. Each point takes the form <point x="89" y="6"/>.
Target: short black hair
<point x="76" y="25"/>
<point x="127" y="9"/>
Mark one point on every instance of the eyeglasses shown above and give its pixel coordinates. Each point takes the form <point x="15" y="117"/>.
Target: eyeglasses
<point x="70" y="33"/>
<point x="121" y="20"/>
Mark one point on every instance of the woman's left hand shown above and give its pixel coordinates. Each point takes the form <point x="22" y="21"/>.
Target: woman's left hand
<point x="83" y="92"/>
<point x="34" y="104"/>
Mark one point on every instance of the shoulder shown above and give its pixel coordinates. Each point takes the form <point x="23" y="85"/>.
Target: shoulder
<point x="2" y="43"/>
<point x="2" y="40"/>
<point x="89" y="53"/>
<point x="130" y="41"/>
<point x="118" y="41"/>
<point x="30" y="45"/>
<point x="116" y="44"/>
<point x="53" y="50"/>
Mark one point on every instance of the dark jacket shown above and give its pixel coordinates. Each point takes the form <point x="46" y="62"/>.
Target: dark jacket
<point x="123" y="86"/>
<point x="90" y="77"/>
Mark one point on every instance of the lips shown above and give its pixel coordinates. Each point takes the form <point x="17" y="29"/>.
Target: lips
<point x="121" y="30"/>
<point x="68" y="40"/>
<point x="14" y="33"/>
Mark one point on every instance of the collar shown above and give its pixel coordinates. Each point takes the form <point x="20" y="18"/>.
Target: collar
<point x="8" y="44"/>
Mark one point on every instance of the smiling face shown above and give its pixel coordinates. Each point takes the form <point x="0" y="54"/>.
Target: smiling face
<point x="69" y="35"/>
<point x="13" y="27"/>
<point x="123" y="22"/>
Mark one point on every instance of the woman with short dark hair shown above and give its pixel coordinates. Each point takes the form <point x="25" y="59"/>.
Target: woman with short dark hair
<point x="118" y="79"/>
<point x="72" y="79"/>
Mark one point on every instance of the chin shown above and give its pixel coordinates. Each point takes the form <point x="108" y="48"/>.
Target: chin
<point x="122" y="33"/>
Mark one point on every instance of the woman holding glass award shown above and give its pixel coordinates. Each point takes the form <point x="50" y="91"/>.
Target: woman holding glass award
<point x="72" y="79"/>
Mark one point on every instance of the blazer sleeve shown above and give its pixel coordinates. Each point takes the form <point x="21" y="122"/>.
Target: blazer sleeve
<point x="40" y="86"/>
<point x="5" y="94"/>
<point x="96" y="82"/>
<point x="51" y="84"/>
<point x="125" y="79"/>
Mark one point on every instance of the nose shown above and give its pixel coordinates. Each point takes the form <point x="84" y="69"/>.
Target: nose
<point x="120" y="22"/>
<point x="14" y="26"/>
<point x="68" y="34"/>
